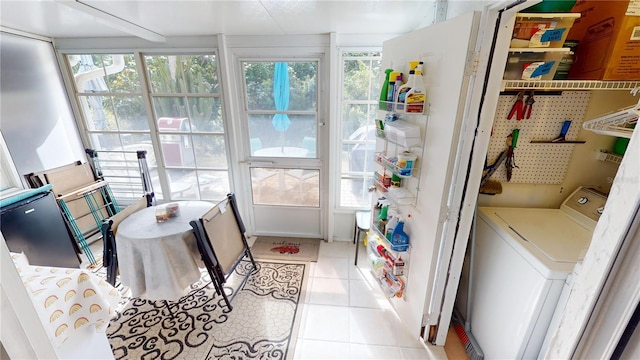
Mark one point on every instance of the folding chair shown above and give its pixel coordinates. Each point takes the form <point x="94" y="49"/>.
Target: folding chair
<point x="110" y="227"/>
<point x="220" y="235"/>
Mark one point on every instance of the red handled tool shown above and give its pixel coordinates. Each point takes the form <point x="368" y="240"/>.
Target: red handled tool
<point x="528" y="106"/>
<point x="518" y="107"/>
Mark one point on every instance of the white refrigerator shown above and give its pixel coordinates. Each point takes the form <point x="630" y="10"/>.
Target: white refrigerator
<point x="463" y="67"/>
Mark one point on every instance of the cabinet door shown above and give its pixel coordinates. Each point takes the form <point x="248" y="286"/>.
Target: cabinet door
<point x="445" y="49"/>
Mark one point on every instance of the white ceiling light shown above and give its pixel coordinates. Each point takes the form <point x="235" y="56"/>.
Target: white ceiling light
<point x="113" y="21"/>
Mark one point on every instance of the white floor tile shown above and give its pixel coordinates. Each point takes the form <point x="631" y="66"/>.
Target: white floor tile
<point x="339" y="249"/>
<point x="369" y="326"/>
<point x="329" y="323"/>
<point x="364" y="294"/>
<point x="335" y="268"/>
<point x="422" y="354"/>
<point x="362" y="351"/>
<point x="316" y="349"/>
<point x="312" y="269"/>
<point x="303" y="320"/>
<point x="403" y="334"/>
<point x="326" y="291"/>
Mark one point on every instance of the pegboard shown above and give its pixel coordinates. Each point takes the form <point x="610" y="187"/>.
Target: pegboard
<point x="538" y="163"/>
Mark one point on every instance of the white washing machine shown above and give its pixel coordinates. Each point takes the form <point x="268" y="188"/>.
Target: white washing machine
<point x="522" y="259"/>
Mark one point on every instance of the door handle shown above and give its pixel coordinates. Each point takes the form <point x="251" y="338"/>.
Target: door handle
<point x="249" y="162"/>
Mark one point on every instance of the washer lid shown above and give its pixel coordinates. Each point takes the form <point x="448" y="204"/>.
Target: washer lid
<point x="551" y="231"/>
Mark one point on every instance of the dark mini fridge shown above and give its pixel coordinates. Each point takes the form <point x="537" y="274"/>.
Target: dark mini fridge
<point x="34" y="225"/>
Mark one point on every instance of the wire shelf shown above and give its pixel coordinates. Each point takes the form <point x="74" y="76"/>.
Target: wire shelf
<point x="569" y="85"/>
<point x="619" y="123"/>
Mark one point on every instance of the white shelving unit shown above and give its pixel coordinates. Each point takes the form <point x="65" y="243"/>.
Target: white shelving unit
<point x="391" y="280"/>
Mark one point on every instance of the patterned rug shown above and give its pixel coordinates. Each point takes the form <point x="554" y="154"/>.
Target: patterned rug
<point x="262" y="325"/>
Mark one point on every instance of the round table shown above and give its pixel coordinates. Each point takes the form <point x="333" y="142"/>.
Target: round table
<point x="159" y="260"/>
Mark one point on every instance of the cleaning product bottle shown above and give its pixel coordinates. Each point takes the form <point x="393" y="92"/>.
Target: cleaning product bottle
<point x="384" y="91"/>
<point x="403" y="90"/>
<point x="416" y="96"/>
<point x="393" y="77"/>
<point x="396" y="87"/>
<point x="398" y="266"/>
<point x="382" y="218"/>
<point x="392" y="220"/>
<point x="399" y="237"/>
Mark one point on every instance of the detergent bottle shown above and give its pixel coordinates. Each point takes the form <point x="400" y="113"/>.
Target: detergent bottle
<point x="404" y="89"/>
<point x="416" y="96"/>
<point x="399" y="237"/>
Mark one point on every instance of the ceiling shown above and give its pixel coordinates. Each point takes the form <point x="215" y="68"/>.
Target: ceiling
<point x="167" y="18"/>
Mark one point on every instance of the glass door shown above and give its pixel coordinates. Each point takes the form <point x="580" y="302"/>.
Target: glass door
<point x="283" y="159"/>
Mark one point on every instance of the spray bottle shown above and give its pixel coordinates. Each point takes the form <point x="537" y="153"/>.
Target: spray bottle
<point x="384" y="90"/>
<point x="404" y="89"/>
<point x="396" y="87"/>
<point x="399" y="237"/>
<point x="416" y="96"/>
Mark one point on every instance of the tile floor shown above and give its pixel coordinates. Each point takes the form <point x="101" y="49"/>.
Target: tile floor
<point x="346" y="315"/>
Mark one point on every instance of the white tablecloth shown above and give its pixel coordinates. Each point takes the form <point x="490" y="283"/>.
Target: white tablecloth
<point x="159" y="260"/>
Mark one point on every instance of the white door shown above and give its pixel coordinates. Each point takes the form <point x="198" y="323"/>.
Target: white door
<point x="446" y="50"/>
<point x="483" y="78"/>
<point x="282" y="129"/>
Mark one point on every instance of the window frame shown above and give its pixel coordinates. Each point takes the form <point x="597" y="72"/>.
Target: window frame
<point x="147" y="99"/>
<point x="366" y="178"/>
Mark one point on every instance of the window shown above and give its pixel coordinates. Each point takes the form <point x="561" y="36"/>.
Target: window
<point x="178" y="108"/>
<point x="281" y="109"/>
<point x="281" y="103"/>
<point x="185" y="94"/>
<point x="359" y="101"/>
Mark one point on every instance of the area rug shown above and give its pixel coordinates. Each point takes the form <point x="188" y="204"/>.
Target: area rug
<point x="286" y="248"/>
<point x="263" y="324"/>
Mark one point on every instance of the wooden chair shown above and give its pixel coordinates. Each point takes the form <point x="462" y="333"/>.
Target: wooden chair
<point x="110" y="227"/>
<point x="220" y="235"/>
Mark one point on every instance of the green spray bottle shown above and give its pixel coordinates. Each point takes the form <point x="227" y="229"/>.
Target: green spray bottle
<point x="385" y="90"/>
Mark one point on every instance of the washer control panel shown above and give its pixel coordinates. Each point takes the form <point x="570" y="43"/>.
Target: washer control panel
<point x="588" y="202"/>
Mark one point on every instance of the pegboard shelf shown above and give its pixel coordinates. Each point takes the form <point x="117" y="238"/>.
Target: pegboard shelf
<point x="558" y="142"/>
<point x="568" y="85"/>
<point x="542" y="163"/>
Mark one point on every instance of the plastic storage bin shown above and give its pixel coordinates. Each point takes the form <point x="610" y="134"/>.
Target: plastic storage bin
<point x="402" y="133"/>
<point x="541" y="30"/>
<point x="533" y="64"/>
